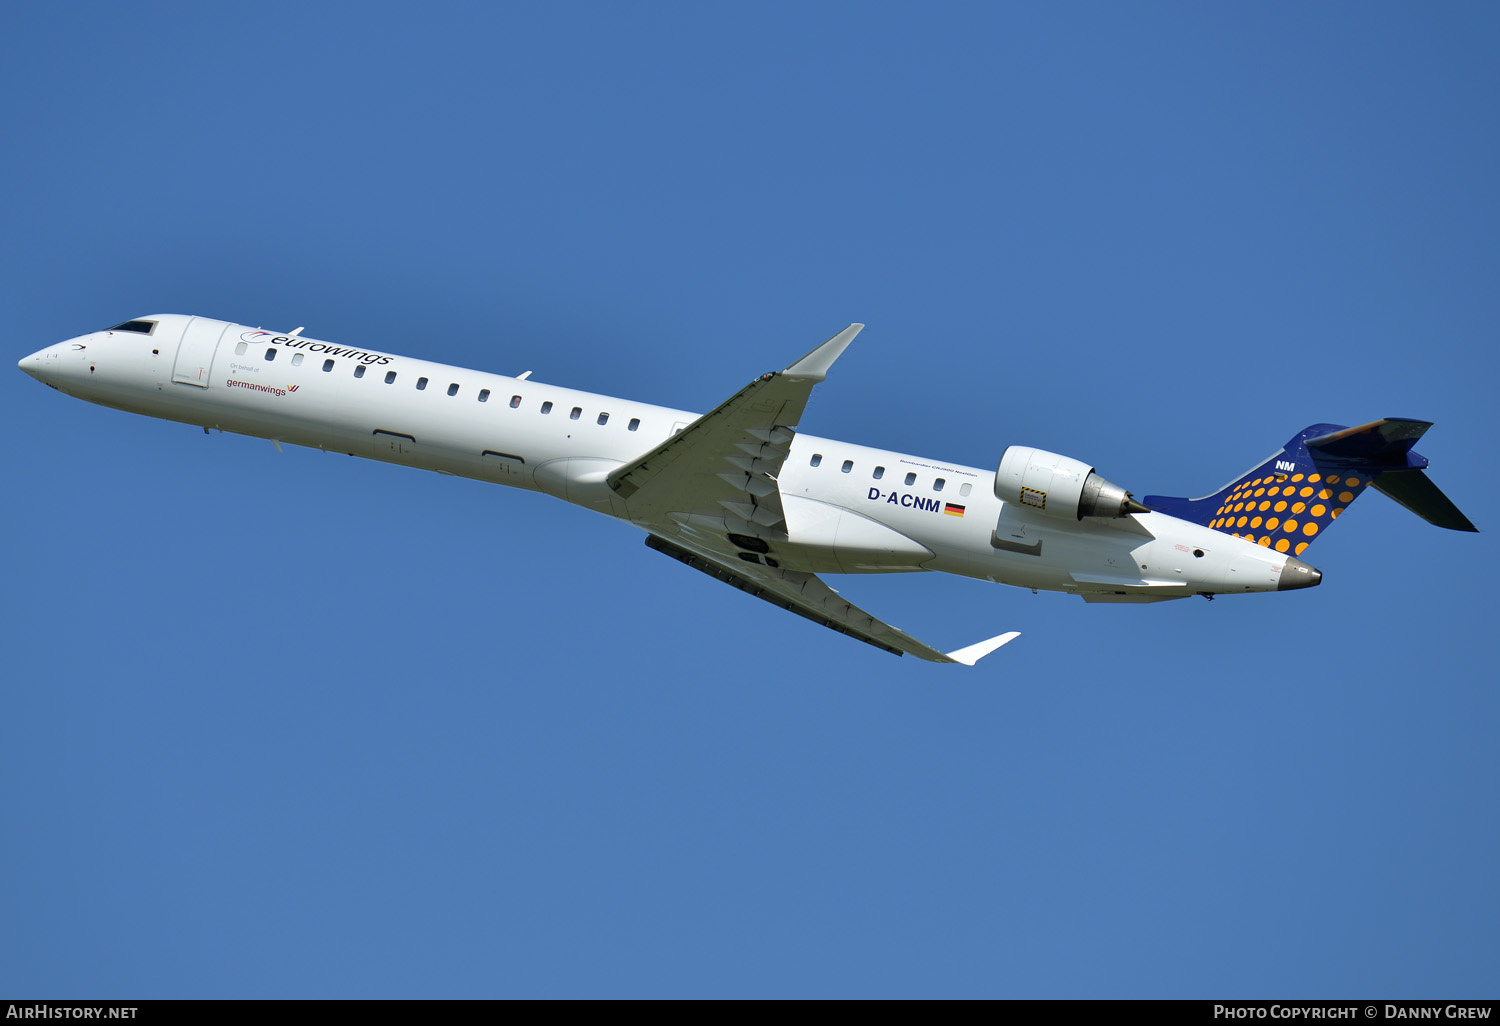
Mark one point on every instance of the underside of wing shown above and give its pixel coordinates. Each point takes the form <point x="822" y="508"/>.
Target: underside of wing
<point x="807" y="596"/>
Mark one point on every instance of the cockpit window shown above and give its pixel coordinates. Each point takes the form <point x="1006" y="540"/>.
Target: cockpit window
<point x="143" y="327"/>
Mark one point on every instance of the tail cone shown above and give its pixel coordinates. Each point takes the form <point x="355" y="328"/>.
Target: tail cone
<point x="1297" y="574"/>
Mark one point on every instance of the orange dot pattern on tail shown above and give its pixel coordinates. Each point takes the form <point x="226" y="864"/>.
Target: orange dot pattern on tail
<point x="1310" y="501"/>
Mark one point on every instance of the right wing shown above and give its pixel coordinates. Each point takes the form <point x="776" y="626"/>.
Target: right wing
<point x="806" y="595"/>
<point x="727" y="461"/>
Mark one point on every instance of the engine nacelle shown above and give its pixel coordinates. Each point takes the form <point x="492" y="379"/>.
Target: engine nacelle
<point x="1059" y="486"/>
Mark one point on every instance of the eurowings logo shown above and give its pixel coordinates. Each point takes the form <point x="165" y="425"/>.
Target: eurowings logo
<point x="316" y="347"/>
<point x="292" y="388"/>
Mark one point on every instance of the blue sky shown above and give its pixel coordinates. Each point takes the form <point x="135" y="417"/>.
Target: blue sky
<point x="295" y="725"/>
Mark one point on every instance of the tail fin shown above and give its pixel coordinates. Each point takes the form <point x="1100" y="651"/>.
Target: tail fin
<point x="1291" y="497"/>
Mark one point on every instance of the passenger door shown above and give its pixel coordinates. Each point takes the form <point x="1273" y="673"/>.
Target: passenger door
<point x="195" y="353"/>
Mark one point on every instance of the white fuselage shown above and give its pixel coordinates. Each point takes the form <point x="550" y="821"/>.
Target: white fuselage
<point x="850" y="508"/>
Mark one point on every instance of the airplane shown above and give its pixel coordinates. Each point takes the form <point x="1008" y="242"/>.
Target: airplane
<point x="741" y="493"/>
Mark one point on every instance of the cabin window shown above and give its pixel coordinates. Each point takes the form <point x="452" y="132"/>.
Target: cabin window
<point x="547" y="407"/>
<point x="817" y="458"/>
<point x="879" y="473"/>
<point x="848" y="466"/>
<point x="577" y="412"/>
<point x="296" y="359"/>
<point x="603" y="419"/>
<point x="484" y="395"/>
<point x="240" y="347"/>
<point x="515" y="401"/>
<point x="421" y="384"/>
<point x="911" y="479"/>
<point x="965" y="489"/>
<point x="937" y="485"/>
<point x="359" y="370"/>
<point x="453" y="388"/>
<point x="271" y="354"/>
<point x="635" y="422"/>
<point x="390" y="377"/>
<point x="327" y="366"/>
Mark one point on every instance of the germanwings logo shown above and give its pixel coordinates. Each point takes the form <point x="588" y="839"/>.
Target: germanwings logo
<point x="254" y="387"/>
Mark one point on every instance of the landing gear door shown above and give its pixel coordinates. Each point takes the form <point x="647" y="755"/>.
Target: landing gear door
<point x="195" y="353"/>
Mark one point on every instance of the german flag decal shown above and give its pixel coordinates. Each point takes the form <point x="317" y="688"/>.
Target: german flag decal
<point x="953" y="509"/>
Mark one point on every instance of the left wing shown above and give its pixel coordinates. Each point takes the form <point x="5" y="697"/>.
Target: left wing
<point x="806" y="595"/>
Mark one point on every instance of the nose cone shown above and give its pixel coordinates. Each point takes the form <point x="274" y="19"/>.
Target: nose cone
<point x="32" y="364"/>
<point x="58" y="364"/>
<point x="1297" y="574"/>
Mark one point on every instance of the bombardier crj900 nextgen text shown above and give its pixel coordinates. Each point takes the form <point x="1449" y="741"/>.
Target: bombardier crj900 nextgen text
<point x="741" y="493"/>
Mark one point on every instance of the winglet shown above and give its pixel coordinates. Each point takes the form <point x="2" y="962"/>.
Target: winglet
<point x="814" y="366"/>
<point x="971" y="655"/>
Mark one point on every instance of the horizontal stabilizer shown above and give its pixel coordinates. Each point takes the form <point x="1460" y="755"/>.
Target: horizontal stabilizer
<point x="1379" y="443"/>
<point x="1415" y="490"/>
